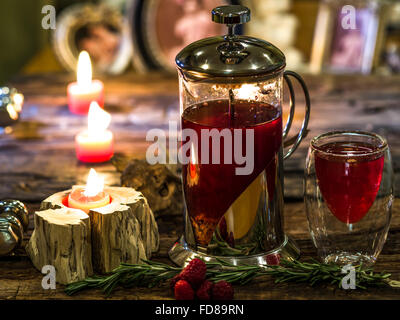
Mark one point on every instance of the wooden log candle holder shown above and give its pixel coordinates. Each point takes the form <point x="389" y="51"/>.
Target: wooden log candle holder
<point x="76" y="243"/>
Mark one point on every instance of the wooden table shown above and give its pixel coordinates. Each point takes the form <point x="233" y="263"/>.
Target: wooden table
<point x="37" y="159"/>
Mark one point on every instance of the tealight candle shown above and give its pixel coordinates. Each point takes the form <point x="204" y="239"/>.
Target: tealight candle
<point x="96" y="144"/>
<point x="85" y="90"/>
<point x="91" y="196"/>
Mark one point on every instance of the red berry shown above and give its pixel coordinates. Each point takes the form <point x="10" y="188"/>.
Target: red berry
<point x="194" y="272"/>
<point x="173" y="281"/>
<point x="204" y="292"/>
<point x="183" y="291"/>
<point x="222" y="290"/>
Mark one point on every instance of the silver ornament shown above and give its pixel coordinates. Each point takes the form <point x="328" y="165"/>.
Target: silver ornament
<point x="17" y="209"/>
<point x="14" y="220"/>
<point x="8" y="239"/>
<point x="11" y="102"/>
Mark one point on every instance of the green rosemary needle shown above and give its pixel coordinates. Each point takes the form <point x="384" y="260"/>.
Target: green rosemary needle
<point x="150" y="274"/>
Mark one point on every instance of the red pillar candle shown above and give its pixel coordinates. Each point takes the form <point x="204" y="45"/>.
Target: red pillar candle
<point x="96" y="144"/>
<point x="85" y="90"/>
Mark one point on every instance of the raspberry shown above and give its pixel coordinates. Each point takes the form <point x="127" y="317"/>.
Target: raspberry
<point x="183" y="291"/>
<point x="173" y="281"/>
<point x="194" y="272"/>
<point x="204" y="292"/>
<point x="222" y="290"/>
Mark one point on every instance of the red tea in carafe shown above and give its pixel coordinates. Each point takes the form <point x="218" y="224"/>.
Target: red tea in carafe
<point x="211" y="189"/>
<point x="233" y="87"/>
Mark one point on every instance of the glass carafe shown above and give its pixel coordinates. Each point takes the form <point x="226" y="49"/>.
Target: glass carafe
<point x="231" y="92"/>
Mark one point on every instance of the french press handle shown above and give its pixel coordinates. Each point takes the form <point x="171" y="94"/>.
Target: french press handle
<point x="236" y="14"/>
<point x="292" y="102"/>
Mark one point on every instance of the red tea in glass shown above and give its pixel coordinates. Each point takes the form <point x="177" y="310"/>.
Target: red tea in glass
<point x="348" y="194"/>
<point x="349" y="176"/>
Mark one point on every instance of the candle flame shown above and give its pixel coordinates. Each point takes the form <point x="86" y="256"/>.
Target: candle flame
<point x="84" y="70"/>
<point x="94" y="184"/>
<point x="18" y="99"/>
<point x="12" y="112"/>
<point x="98" y="119"/>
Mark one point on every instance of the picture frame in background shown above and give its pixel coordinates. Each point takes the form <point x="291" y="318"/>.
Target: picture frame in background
<point x="348" y="50"/>
<point x="390" y="62"/>
<point x="161" y="28"/>
<point x="97" y="28"/>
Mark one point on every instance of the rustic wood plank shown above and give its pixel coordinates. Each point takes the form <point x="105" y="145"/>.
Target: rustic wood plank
<point x="338" y="102"/>
<point x="22" y="281"/>
<point x="37" y="159"/>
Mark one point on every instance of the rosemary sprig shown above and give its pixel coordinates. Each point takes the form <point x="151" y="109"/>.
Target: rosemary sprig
<point x="314" y="272"/>
<point x="126" y="275"/>
<point x="152" y="273"/>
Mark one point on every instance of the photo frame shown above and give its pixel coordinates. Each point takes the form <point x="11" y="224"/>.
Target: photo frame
<point x="161" y="28"/>
<point x="339" y="50"/>
<point x="97" y="28"/>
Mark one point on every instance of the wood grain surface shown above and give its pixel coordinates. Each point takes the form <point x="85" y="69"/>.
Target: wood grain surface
<point x="37" y="159"/>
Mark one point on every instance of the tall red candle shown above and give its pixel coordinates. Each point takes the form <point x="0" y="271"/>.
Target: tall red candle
<point x="85" y="90"/>
<point x="96" y="144"/>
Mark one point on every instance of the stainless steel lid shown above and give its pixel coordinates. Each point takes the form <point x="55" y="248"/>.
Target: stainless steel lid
<point x="230" y="55"/>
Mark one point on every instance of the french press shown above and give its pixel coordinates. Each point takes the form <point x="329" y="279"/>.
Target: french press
<point x="231" y="92"/>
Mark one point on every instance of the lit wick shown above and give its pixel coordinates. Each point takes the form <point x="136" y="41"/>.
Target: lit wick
<point x="85" y="90"/>
<point x="96" y="144"/>
<point x="91" y="196"/>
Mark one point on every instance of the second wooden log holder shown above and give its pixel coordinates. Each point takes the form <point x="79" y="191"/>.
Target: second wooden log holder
<point x="77" y="244"/>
